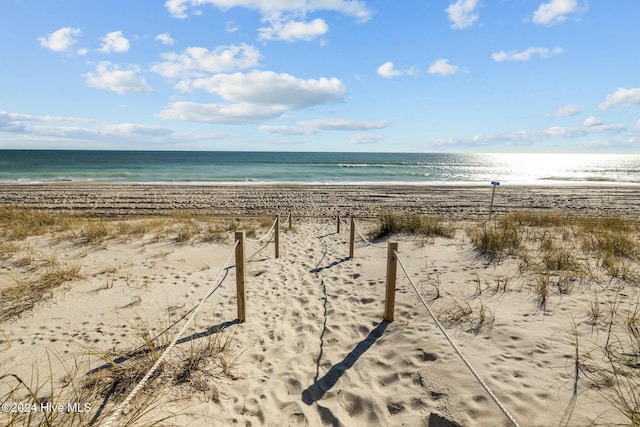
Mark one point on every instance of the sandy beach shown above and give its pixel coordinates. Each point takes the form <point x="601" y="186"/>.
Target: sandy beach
<point x="363" y="201"/>
<point x="548" y="323"/>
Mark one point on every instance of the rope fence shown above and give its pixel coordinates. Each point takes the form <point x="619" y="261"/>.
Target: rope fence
<point x="392" y="260"/>
<point x="171" y="345"/>
<point x="267" y="234"/>
<point x="377" y="245"/>
<point x="275" y="230"/>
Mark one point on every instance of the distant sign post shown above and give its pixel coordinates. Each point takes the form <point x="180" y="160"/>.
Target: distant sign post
<point x="493" y="194"/>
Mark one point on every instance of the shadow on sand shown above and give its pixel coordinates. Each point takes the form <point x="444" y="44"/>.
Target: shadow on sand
<point x="320" y="387"/>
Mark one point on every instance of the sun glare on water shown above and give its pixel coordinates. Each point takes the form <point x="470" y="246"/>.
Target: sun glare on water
<point x="537" y="167"/>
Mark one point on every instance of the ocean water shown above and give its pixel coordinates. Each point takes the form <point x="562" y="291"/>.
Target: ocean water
<point x="189" y="167"/>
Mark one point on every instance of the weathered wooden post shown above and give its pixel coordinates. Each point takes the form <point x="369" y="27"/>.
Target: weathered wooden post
<point x="352" y="237"/>
<point x="241" y="277"/>
<point x="390" y="293"/>
<point x="277" y="236"/>
<point x="493" y="194"/>
<point x="338" y="226"/>
<point x="290" y="220"/>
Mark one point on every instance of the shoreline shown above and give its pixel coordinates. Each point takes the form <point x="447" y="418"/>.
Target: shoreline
<point x="327" y="200"/>
<point x="542" y="182"/>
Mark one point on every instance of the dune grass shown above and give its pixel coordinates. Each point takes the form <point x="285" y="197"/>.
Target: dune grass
<point x="100" y="380"/>
<point x="428" y="226"/>
<point x="17" y="224"/>
<point x="553" y="237"/>
<point x="558" y="251"/>
<point x="39" y="275"/>
<point x="24" y="295"/>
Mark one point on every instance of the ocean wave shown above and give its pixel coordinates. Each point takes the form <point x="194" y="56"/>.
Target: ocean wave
<point x="579" y="178"/>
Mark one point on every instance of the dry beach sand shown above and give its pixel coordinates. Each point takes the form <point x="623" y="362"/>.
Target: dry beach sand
<point x="314" y="349"/>
<point x="320" y="200"/>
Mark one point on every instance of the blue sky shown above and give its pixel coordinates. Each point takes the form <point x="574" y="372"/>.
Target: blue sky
<point x="321" y="75"/>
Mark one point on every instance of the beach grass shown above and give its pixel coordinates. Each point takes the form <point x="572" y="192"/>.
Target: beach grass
<point x="99" y="380"/>
<point x="410" y="223"/>
<point x="25" y="294"/>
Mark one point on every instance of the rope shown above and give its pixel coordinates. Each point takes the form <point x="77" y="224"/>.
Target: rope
<point x="265" y="236"/>
<point x="364" y="238"/>
<point x="455" y="347"/>
<point x="175" y="339"/>
<point x="260" y="249"/>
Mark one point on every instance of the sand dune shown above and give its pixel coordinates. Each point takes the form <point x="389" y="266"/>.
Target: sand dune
<point x="314" y="349"/>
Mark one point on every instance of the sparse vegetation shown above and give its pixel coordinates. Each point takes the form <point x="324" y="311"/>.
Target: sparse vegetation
<point x="559" y="251"/>
<point x="24" y="295"/>
<point x="471" y="318"/>
<point x="17" y="224"/>
<point x="196" y="364"/>
<point x="542" y="290"/>
<point x="496" y="242"/>
<point x="428" y="226"/>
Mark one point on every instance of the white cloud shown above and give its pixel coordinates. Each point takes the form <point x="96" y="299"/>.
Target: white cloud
<point x="126" y="134"/>
<point x="10" y="123"/>
<point x="231" y="27"/>
<point x="285" y="130"/>
<point x="519" y="137"/>
<point x="388" y="71"/>
<point x="294" y="30"/>
<point x="529" y="137"/>
<point x="309" y="127"/>
<point x="220" y="113"/>
<point x="254" y="97"/>
<point x="61" y="39"/>
<point x="525" y="55"/>
<point x="554" y="12"/>
<point x="636" y="127"/>
<point x="343" y="124"/>
<point x="114" y="42"/>
<point x="592" y="121"/>
<point x="111" y="77"/>
<point x="136" y="129"/>
<point x="269" y="88"/>
<point x="365" y="139"/>
<point x="443" y="67"/>
<point x="14" y="117"/>
<point x="277" y="8"/>
<point x="567" y="111"/>
<point x="622" y="97"/>
<point x="593" y="126"/>
<point x="165" y="39"/>
<point x="194" y="61"/>
<point x="462" y="13"/>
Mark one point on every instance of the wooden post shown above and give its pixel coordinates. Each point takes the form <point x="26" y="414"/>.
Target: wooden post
<point x="241" y="277"/>
<point x="277" y="236"/>
<point x="352" y="237"/>
<point x="290" y="220"/>
<point x="390" y="293"/>
<point x="493" y="194"/>
<point x="338" y="227"/>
